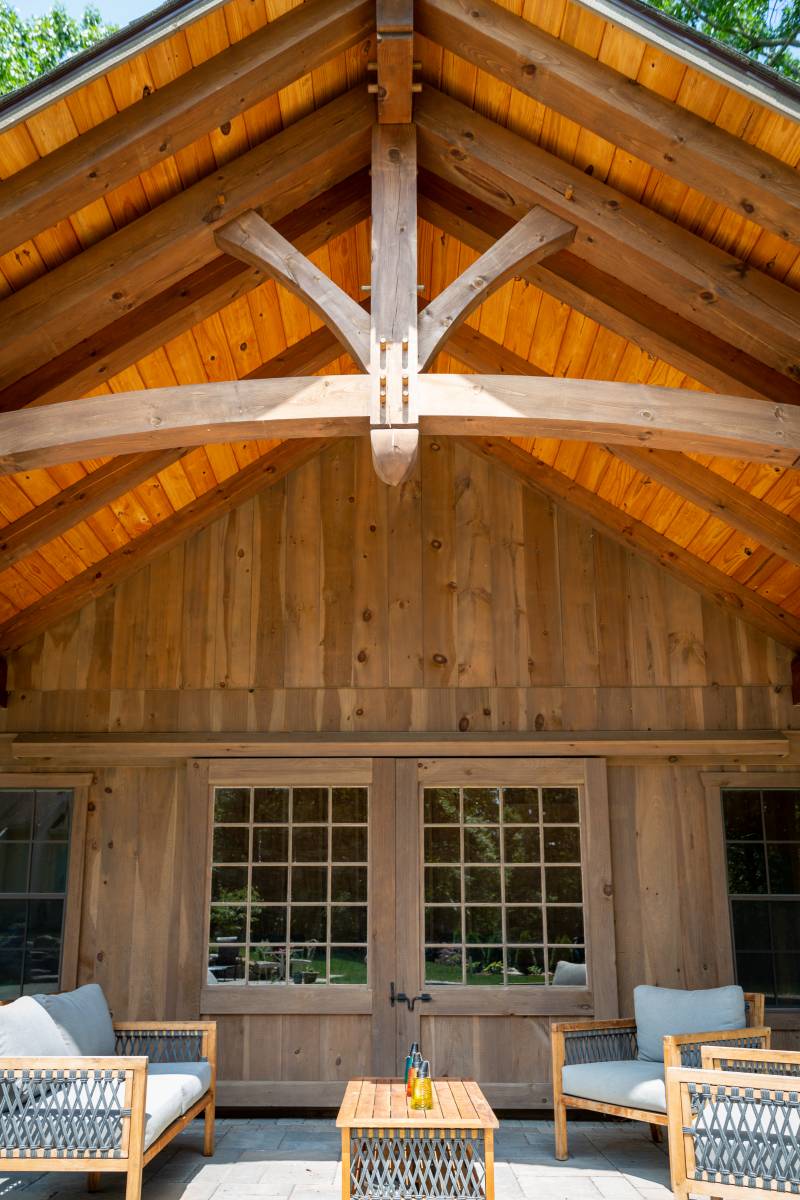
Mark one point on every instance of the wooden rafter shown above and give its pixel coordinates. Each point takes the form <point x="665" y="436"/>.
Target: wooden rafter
<point x="654" y="129"/>
<point x="703" y="487"/>
<point x="150" y="131"/>
<point x="537" y="235"/>
<point x="133" y="265"/>
<point x="615" y="233"/>
<point x="637" y="317"/>
<point x="78" y="501"/>
<point x="258" y="243"/>
<point x="185" y="303"/>
<point x="717" y="495"/>
<point x="725" y="591"/>
<point x="449" y="405"/>
<point x="127" y="559"/>
<point x="617" y="306"/>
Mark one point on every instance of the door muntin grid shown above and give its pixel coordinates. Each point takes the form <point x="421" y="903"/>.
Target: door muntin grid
<point x="762" y="843"/>
<point x="289" y="886"/>
<point x="502" y="885"/>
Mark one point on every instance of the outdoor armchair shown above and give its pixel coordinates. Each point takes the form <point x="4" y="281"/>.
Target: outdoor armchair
<point x="617" y="1067"/>
<point x="62" y="1110"/>
<point x="734" y="1123"/>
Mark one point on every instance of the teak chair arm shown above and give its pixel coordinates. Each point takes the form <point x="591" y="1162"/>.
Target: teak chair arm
<point x="715" y="1058"/>
<point x="580" y="1026"/>
<point x="684" y="1049"/>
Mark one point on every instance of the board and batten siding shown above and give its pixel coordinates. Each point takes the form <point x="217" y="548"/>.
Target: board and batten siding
<point x="462" y="601"/>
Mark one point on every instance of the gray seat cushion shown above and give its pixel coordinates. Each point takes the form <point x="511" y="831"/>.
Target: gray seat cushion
<point x="163" y="1104"/>
<point x="630" y="1084"/>
<point x="193" y="1078"/>
<point x="27" y="1031"/>
<point x="83" y="1020"/>
<point x="662" y="1011"/>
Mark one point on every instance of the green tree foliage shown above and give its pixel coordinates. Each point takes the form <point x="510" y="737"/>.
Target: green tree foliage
<point x="766" y="30"/>
<point x="30" y="47"/>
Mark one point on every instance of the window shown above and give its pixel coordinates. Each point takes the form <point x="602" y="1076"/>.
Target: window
<point x="503" y="885"/>
<point x="34" y="860"/>
<point x="762" y="833"/>
<point x="289" y="886"/>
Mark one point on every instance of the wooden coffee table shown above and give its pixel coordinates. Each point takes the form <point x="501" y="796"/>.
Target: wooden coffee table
<point x="393" y="1152"/>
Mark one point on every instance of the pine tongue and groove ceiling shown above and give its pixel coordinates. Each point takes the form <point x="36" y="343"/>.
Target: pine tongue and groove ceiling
<point x="216" y="321"/>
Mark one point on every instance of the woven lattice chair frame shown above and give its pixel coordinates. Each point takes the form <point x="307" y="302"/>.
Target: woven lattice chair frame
<point x="574" y="1042"/>
<point x="732" y="1133"/>
<point x="89" y="1114"/>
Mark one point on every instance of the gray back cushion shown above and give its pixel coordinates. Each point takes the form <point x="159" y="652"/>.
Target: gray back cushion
<point x="83" y="1020"/>
<point x="661" y="1011"/>
<point x="27" y="1031"/>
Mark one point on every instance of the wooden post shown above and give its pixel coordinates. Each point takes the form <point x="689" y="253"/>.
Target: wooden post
<point x="393" y="332"/>
<point x="394" y="20"/>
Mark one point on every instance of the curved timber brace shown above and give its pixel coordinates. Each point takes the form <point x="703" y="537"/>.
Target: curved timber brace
<point x="394" y="342"/>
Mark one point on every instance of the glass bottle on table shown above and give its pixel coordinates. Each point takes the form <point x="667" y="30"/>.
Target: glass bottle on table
<point x="416" y="1063"/>
<point x="409" y="1059"/>
<point x="422" y="1090"/>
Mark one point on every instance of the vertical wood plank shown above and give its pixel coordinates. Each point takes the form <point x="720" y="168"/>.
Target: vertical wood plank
<point x="404" y="516"/>
<point x="439" y="587"/>
<point x="234" y="610"/>
<point x="511" y="630"/>
<point x="369" y="596"/>
<point x="303" y="623"/>
<point x="269" y="626"/>
<point x="542" y="590"/>
<point x="338" y="518"/>
<point x="578" y="601"/>
<point x="476" y="652"/>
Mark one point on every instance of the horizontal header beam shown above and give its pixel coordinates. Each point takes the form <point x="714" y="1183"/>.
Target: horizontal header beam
<point x="455" y="405"/>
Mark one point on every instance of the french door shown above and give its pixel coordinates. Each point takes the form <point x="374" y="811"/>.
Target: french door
<point x="356" y="905"/>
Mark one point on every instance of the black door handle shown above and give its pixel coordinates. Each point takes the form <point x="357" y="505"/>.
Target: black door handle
<point x="402" y="998"/>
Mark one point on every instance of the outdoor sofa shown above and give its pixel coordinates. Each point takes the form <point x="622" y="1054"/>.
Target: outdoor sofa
<point x="734" y="1123"/>
<point x="617" y="1067"/>
<point x="80" y="1092"/>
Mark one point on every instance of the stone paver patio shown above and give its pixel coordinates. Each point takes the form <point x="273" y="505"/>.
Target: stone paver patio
<point x="299" y="1159"/>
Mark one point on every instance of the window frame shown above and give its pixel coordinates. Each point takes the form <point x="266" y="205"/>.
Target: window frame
<point x="599" y="998"/>
<point x="79" y="785"/>
<point x="748" y="782"/>
<point x="715" y="782"/>
<point x="320" y="998"/>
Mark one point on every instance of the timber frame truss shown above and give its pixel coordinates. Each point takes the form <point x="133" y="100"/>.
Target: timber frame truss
<point x="528" y="215"/>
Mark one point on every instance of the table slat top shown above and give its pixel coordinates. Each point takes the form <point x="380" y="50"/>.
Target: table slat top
<point x="382" y="1104"/>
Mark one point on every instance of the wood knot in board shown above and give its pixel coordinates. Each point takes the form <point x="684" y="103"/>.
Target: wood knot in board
<point x="463" y="724"/>
<point x="440" y="659"/>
